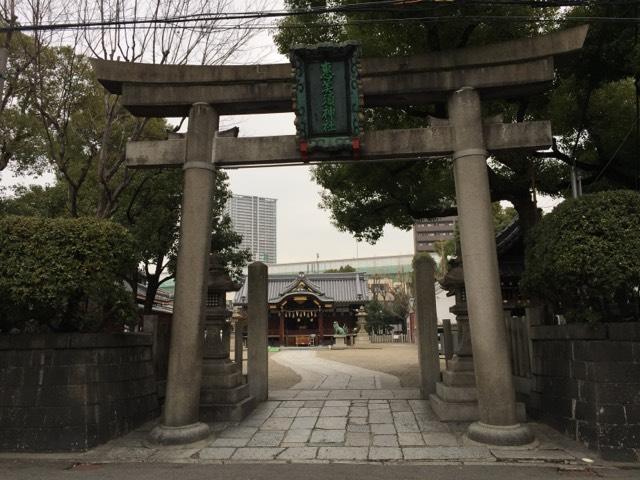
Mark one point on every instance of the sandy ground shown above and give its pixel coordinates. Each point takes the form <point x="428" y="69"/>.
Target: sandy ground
<point x="281" y="377"/>
<point x="400" y="360"/>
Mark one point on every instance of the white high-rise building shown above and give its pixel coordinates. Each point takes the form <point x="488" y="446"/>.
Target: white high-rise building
<point x="255" y="219"/>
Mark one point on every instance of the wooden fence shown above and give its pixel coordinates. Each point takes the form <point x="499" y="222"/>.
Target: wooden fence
<point x="390" y="338"/>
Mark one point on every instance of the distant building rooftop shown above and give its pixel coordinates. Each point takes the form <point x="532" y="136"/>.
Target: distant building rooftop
<point x="338" y="288"/>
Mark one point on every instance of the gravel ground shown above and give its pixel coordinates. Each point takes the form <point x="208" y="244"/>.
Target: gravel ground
<point x="400" y="360"/>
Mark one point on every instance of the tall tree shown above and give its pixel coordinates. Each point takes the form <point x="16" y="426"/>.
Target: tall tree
<point x="83" y="129"/>
<point x="363" y="199"/>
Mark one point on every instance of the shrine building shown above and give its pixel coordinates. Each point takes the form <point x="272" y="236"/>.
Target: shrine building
<point x="304" y="307"/>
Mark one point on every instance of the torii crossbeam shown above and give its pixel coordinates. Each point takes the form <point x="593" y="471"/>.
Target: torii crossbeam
<point x="459" y="77"/>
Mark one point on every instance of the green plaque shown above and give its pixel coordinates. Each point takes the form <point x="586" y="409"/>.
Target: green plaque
<point x="327" y="98"/>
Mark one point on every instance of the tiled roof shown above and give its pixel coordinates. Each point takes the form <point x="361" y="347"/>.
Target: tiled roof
<point x="340" y="288"/>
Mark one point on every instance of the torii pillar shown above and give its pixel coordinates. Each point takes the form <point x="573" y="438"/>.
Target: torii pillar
<point x="498" y="424"/>
<point x="180" y="422"/>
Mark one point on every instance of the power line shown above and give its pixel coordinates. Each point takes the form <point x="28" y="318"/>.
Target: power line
<point x="367" y="7"/>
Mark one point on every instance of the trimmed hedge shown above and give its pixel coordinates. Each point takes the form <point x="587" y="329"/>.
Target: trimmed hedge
<point x="583" y="258"/>
<point x="64" y="274"/>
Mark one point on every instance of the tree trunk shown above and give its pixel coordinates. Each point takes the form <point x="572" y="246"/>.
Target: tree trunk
<point x="150" y="296"/>
<point x="527" y="212"/>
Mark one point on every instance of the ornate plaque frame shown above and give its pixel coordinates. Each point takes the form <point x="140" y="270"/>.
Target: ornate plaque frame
<point x="327" y="97"/>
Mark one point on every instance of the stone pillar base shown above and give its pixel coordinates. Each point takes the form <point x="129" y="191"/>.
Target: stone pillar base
<point x="505" y="436"/>
<point x="225" y="394"/>
<point x="456" y="397"/>
<point x="166" y="435"/>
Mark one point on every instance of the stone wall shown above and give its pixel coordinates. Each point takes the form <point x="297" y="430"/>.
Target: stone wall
<point x="587" y="384"/>
<point x="70" y="392"/>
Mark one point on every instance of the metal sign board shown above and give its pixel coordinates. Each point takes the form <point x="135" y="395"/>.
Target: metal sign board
<point x="327" y="97"/>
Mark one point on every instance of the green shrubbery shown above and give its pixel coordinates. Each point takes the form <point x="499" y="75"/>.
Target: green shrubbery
<point x="63" y="274"/>
<point x="583" y="258"/>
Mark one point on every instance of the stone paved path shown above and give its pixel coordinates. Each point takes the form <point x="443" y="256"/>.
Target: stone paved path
<point x="339" y="413"/>
<point x="329" y="375"/>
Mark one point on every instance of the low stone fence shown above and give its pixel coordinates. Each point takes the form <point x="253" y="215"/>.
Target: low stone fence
<point x="71" y="392"/>
<point x="587" y="384"/>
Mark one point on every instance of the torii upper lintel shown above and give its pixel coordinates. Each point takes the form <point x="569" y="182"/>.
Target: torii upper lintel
<point x="504" y="70"/>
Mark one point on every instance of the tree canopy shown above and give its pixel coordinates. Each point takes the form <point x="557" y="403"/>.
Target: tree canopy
<point x="578" y="258"/>
<point x="79" y="132"/>
<point x="592" y="107"/>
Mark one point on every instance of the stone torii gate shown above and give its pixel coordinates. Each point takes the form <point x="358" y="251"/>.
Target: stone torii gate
<point x="459" y="77"/>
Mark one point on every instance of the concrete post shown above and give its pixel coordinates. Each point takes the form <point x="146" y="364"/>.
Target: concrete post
<point x="257" y="331"/>
<point x="427" y="323"/>
<point x="447" y="339"/>
<point x="497" y="407"/>
<point x="180" y="423"/>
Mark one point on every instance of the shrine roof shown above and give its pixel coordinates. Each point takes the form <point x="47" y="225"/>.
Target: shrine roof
<point x="338" y="288"/>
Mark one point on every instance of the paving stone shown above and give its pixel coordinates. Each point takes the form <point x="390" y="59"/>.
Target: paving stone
<point x="440" y="439"/>
<point x="405" y="422"/>
<point x="278" y="423"/>
<point x="380" y="416"/>
<point x="410" y="439"/>
<point x="238" y="432"/>
<point x="343" y="453"/>
<point x="165" y="455"/>
<point x="284" y="412"/>
<point x="312" y="394"/>
<point x="419" y="405"/>
<point x="300" y="435"/>
<point x="327" y="436"/>
<point x="249" y="453"/>
<point x="383" y="428"/>
<point x="359" y="403"/>
<point x="229" y="442"/>
<point x="337" y="403"/>
<point x="399" y="406"/>
<point x="358" y="421"/>
<point x="269" y="405"/>
<point x="293" y="444"/>
<point x="384" y="402"/>
<point x="313" y="403"/>
<point x="385" y="453"/>
<point x="447" y="453"/>
<point x="344" y="394"/>
<point x="431" y="426"/>
<point x="254" y="421"/>
<point x="216" y="453"/>
<point x="332" y="423"/>
<point x="299" y="453"/>
<point x="303" y="422"/>
<point x="355" y="439"/>
<point x="334" y="412"/>
<point x="385" y="441"/>
<point x="308" y="412"/>
<point x="358" y="412"/>
<point x="536" y="455"/>
<point x="359" y="428"/>
<point x="266" y="439"/>
<point x="380" y="406"/>
<point x="407" y="393"/>
<point x="282" y="394"/>
<point x="292" y="403"/>
<point x="377" y="394"/>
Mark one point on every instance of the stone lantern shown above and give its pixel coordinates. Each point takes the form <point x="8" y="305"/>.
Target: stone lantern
<point x="224" y="395"/>
<point x="362" y="338"/>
